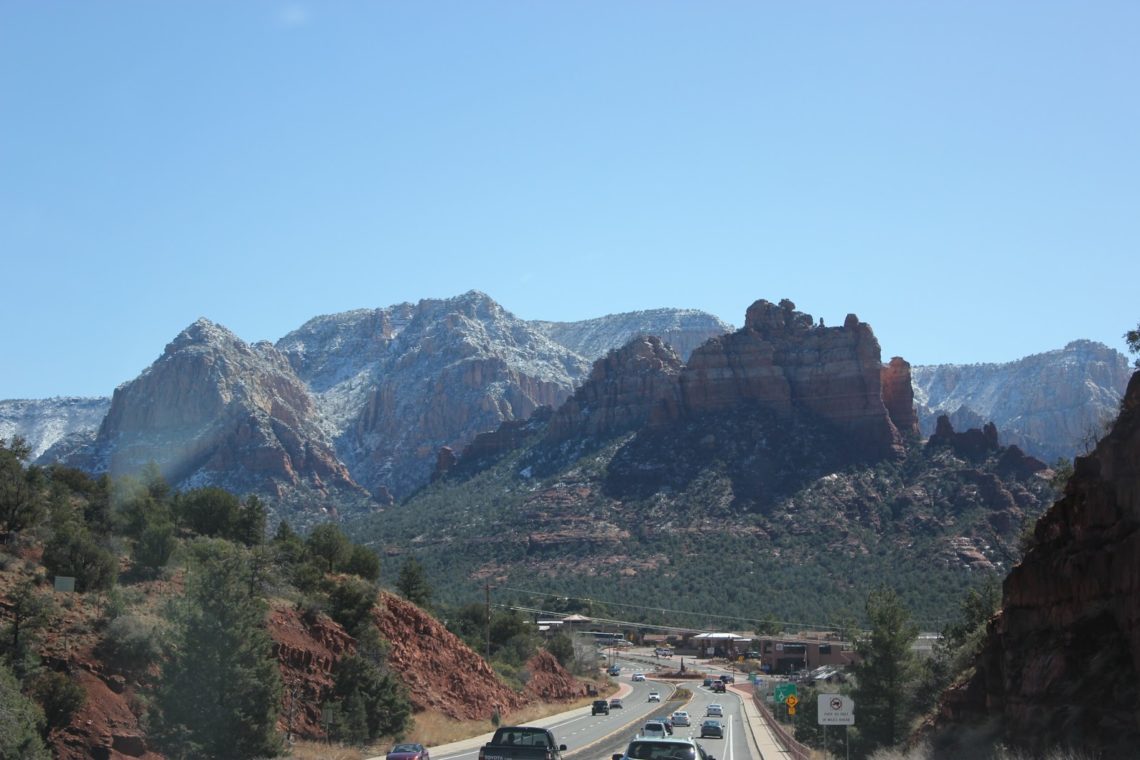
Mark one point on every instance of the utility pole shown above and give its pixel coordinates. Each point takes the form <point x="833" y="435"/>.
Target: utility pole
<point x="487" y="589"/>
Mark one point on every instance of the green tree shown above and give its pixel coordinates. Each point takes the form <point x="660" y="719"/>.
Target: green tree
<point x="59" y="696"/>
<point x="350" y="603"/>
<point x="562" y="648"/>
<point x="20" y="722"/>
<point x="249" y="528"/>
<point x="209" y="511"/>
<point x="29" y="611"/>
<point x="74" y="552"/>
<point x="329" y="544"/>
<point x="412" y="582"/>
<point x="363" y="562"/>
<point x="22" y="498"/>
<point x="373" y="703"/>
<point x="1132" y="338"/>
<point x="221" y="690"/>
<point x="155" y="545"/>
<point x="887" y="673"/>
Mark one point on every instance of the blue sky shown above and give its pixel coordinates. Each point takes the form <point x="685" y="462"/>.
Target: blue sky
<point x="963" y="176"/>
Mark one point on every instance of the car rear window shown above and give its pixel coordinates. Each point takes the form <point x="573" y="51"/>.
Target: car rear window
<point x="640" y="750"/>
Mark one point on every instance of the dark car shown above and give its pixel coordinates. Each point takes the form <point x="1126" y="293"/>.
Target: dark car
<point x="712" y="729"/>
<point x="408" y="752"/>
<point x="601" y="707"/>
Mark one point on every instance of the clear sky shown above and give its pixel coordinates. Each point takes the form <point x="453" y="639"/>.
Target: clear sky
<point x="964" y="176"/>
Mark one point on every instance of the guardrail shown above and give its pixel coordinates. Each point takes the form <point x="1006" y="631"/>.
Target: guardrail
<point x="794" y="748"/>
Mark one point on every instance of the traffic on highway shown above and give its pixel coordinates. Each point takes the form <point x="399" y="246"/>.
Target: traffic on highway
<point x="711" y="722"/>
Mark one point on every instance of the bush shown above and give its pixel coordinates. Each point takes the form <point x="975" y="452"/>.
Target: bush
<point x="131" y="644"/>
<point x="59" y="696"/>
<point x="74" y="552"/>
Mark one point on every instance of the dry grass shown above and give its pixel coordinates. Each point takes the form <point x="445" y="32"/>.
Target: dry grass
<point x="431" y="729"/>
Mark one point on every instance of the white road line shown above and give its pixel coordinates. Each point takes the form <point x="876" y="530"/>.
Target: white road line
<point x="728" y="739"/>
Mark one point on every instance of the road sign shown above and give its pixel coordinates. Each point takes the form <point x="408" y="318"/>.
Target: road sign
<point x="784" y="690"/>
<point x="791" y="701"/>
<point x="791" y="710"/>
<point x="836" y="710"/>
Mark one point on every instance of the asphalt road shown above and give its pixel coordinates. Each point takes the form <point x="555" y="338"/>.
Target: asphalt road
<point x="599" y="737"/>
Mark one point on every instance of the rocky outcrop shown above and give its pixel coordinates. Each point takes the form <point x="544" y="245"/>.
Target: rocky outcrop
<point x="973" y="444"/>
<point x="1052" y="405"/>
<point x="441" y="672"/>
<point x="898" y="395"/>
<point x="549" y="681"/>
<point x="682" y="329"/>
<point x="782" y="361"/>
<point x="214" y="410"/>
<point x="627" y="388"/>
<point x="1061" y="663"/>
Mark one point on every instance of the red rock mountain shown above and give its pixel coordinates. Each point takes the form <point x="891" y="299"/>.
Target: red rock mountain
<point x="1061" y="664"/>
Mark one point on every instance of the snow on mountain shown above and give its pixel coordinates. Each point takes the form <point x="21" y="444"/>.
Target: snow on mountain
<point x="42" y="423"/>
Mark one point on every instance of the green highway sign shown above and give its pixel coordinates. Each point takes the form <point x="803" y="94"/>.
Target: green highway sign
<point x="785" y="690"/>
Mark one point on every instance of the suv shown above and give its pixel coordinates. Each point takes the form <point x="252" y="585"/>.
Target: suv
<point x="601" y="706"/>
<point x="669" y="748"/>
<point x="654" y="729"/>
<point x="638" y="677"/>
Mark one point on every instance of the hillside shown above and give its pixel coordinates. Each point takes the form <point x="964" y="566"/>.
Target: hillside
<point x="752" y="481"/>
<point x="1068" y="624"/>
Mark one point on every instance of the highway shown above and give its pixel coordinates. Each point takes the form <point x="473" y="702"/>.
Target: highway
<point x="598" y="737"/>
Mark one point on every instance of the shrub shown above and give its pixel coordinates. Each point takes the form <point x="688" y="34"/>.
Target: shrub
<point x="131" y="644"/>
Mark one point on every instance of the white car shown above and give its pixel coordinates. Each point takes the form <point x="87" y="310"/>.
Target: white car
<point x="654" y="696"/>
<point x="639" y="676"/>
<point x="715" y="711"/>
<point x="681" y="718"/>
<point x="654" y="729"/>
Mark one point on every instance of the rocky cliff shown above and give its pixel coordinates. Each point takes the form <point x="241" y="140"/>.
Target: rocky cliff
<point x="782" y="361"/>
<point x="1054" y="404"/>
<point x="683" y="329"/>
<point x="398" y="384"/>
<point x="1061" y="663"/>
<point x="626" y="389"/>
<point x="214" y="410"/>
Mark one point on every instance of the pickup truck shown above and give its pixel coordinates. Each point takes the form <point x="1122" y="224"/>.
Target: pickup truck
<point x="522" y="743"/>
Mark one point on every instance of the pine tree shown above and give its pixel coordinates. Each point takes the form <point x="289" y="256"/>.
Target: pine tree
<point x="221" y="690"/>
<point x="887" y="672"/>
<point x="412" y="583"/>
<point x="20" y="722"/>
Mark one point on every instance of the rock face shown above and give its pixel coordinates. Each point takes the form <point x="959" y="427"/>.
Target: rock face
<point x="1052" y="405"/>
<point x="683" y="329"/>
<point x="214" y="410"/>
<point x="626" y="389"/>
<point x="44" y="423"/>
<point x="898" y="396"/>
<point x="1070" y="620"/>
<point x="782" y="361"/>
<point x="398" y="384"/>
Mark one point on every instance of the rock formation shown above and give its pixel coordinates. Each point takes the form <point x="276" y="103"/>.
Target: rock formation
<point x="626" y="389"/>
<point x="898" y="396"/>
<point x="214" y="410"/>
<point x="782" y="361"/>
<point x="44" y="423"/>
<point x="1061" y="664"/>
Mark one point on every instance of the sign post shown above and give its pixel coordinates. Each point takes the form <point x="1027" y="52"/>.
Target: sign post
<point x="836" y="710"/>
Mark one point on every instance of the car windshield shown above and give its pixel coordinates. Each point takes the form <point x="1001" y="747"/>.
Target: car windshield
<point x="406" y="748"/>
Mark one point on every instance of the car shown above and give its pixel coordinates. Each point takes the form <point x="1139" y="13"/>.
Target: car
<point x="712" y="729"/>
<point x="654" y="696"/>
<point x="654" y="729"/>
<point x="669" y="748"/>
<point x="600" y="707"/>
<point x="408" y="752"/>
<point x="667" y="720"/>
<point x="728" y="678"/>
<point x="638" y="676"/>
<point x="615" y="704"/>
<point x="663" y="652"/>
<point x="707" y="682"/>
<point x="613" y="670"/>
<point x="718" y="687"/>
<point x="681" y="718"/>
<point x="715" y="710"/>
